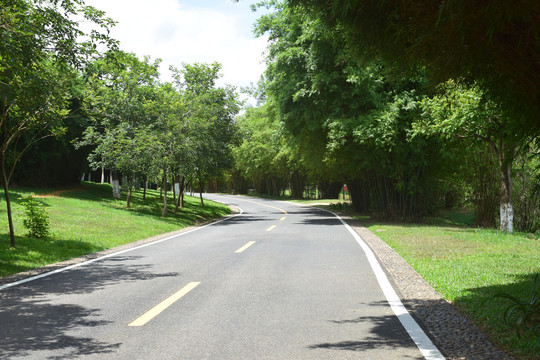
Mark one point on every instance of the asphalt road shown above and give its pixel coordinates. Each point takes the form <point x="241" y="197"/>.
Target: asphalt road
<point x="277" y="281"/>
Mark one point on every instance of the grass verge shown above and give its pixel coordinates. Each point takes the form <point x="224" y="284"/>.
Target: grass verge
<point x="87" y="219"/>
<point x="467" y="266"/>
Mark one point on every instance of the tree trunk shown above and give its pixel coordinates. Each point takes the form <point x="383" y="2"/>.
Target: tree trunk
<point x="505" y="153"/>
<point x="145" y="187"/>
<point x="180" y="200"/>
<point x="8" y="202"/>
<point x="102" y="174"/>
<point x="128" y="202"/>
<point x="182" y="191"/>
<point x="297" y="184"/>
<point x="164" y="189"/>
<point x="174" y="188"/>
<point x="507" y="210"/>
<point x="201" y="189"/>
<point x="115" y="174"/>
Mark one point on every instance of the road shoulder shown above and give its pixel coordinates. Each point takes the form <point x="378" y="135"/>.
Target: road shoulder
<point x="454" y="335"/>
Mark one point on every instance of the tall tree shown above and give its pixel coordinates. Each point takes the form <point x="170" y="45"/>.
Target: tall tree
<point x="40" y="47"/>
<point x="353" y="118"/>
<point x="209" y="112"/>
<point x="493" y="43"/>
<point x="460" y="111"/>
<point x="120" y="93"/>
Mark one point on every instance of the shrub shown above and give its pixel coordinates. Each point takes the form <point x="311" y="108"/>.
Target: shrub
<point x="522" y="311"/>
<point x="36" y="219"/>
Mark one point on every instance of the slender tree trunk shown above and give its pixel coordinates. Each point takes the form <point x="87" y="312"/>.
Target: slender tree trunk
<point x="102" y="174"/>
<point x="507" y="210"/>
<point x="164" y="189"/>
<point x="145" y="186"/>
<point x="201" y="189"/>
<point x="8" y="202"/>
<point x="179" y="202"/>
<point x="130" y="188"/>
<point x="174" y="188"/>
<point x="115" y="175"/>
<point x="182" y="191"/>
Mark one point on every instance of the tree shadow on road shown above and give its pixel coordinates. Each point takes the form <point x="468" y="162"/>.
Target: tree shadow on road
<point x="386" y="333"/>
<point x="33" y="322"/>
<point x="30" y="326"/>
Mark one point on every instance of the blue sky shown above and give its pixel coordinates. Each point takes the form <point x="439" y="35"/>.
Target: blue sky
<point x="180" y="31"/>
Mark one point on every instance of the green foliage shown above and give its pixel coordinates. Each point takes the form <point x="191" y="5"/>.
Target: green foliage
<point x="351" y="122"/>
<point x="341" y="206"/>
<point x="492" y="43"/>
<point x="40" y="52"/>
<point x="209" y="117"/>
<point x="266" y="155"/>
<point x="523" y="312"/>
<point x="36" y="219"/>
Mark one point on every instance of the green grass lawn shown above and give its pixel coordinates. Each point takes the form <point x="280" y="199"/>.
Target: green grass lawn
<point x="468" y="265"/>
<point x="89" y="220"/>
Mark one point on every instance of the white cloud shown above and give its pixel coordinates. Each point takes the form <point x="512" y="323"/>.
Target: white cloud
<point x="180" y="31"/>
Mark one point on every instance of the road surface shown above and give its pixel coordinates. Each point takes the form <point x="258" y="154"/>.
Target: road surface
<point x="278" y="281"/>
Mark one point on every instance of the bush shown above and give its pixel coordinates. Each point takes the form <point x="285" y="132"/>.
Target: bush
<point x="36" y="218"/>
<point x="522" y="312"/>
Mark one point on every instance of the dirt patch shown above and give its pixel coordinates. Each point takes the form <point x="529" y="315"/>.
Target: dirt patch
<point x="61" y="191"/>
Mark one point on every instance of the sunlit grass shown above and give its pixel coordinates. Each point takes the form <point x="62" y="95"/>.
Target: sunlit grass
<point x="467" y="266"/>
<point x="89" y="220"/>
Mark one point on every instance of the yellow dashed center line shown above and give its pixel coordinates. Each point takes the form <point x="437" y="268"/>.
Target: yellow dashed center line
<point x="156" y="310"/>
<point x="283" y="218"/>
<point x="269" y="206"/>
<point x="271" y="228"/>
<point x="245" y="247"/>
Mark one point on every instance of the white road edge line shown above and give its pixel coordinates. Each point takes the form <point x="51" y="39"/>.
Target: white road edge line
<point x="5" y="286"/>
<point x="422" y="341"/>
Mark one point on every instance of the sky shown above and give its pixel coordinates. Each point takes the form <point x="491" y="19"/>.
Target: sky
<point x="188" y="31"/>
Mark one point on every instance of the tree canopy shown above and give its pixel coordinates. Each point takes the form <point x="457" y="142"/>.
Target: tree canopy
<point x="41" y="46"/>
<point x="494" y="43"/>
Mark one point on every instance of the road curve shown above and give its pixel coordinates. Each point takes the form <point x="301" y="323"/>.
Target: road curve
<point x="277" y="281"/>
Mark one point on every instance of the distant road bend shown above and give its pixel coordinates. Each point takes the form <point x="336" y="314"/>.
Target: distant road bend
<point x="277" y="281"/>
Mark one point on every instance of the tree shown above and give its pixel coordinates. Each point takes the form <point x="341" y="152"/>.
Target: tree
<point x="460" y="111"/>
<point x="209" y="113"/>
<point x="121" y="91"/>
<point x="355" y="119"/>
<point x="494" y="44"/>
<point x="266" y="155"/>
<point x="40" y="47"/>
